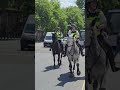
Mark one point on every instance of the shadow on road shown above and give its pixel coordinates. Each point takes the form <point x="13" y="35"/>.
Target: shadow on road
<point x="49" y="68"/>
<point x="64" y="78"/>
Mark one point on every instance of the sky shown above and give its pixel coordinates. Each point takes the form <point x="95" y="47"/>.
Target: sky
<point x="67" y="3"/>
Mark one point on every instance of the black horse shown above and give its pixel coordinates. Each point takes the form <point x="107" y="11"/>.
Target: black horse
<point x="56" y="49"/>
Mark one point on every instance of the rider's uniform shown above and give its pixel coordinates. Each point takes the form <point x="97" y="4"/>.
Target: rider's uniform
<point x="74" y="34"/>
<point x="97" y="22"/>
<point x="58" y="36"/>
<point x="76" y="37"/>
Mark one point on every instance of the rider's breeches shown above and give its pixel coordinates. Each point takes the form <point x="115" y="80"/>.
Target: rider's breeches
<point x="108" y="50"/>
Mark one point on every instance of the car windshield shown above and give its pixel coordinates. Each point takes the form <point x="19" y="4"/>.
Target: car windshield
<point x="30" y="28"/>
<point x="115" y="22"/>
<point x="48" y="37"/>
<point x="82" y="35"/>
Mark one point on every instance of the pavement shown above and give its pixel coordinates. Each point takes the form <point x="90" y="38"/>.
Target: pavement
<point x="17" y="68"/>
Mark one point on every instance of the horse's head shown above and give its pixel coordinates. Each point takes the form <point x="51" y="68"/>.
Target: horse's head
<point x="90" y="37"/>
<point x="70" y="43"/>
<point x="53" y="37"/>
<point x="92" y="42"/>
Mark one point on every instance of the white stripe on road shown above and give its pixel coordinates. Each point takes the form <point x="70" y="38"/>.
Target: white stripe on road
<point x="83" y="85"/>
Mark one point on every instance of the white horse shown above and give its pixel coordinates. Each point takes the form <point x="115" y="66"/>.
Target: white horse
<point x="95" y="62"/>
<point x="73" y="55"/>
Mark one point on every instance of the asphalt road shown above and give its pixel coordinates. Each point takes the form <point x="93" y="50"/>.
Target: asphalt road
<point x="48" y="78"/>
<point x="18" y="71"/>
<point x="17" y="68"/>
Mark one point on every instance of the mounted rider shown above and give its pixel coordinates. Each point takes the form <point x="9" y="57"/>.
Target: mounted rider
<point x="75" y="34"/>
<point x="59" y="36"/>
<point x="95" y="20"/>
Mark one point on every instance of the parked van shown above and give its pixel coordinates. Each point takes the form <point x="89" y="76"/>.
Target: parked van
<point x="48" y="39"/>
<point x="28" y="35"/>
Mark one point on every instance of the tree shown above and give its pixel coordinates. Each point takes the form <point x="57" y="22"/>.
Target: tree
<point x="43" y="12"/>
<point x="80" y="3"/>
<point x="49" y="15"/>
<point x="109" y="4"/>
<point x="75" y="16"/>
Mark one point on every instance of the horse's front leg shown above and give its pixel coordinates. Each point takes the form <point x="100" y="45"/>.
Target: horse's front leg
<point x="54" y="60"/>
<point x="59" y="61"/>
<point x="78" y="70"/>
<point x="70" y="65"/>
<point x="60" y="58"/>
<point x="74" y="65"/>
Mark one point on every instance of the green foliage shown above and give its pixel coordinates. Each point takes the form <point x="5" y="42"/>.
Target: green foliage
<point x="109" y="4"/>
<point x="80" y="3"/>
<point x="75" y="16"/>
<point x="49" y="16"/>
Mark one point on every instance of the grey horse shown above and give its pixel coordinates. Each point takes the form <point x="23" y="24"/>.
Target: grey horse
<point x="73" y="56"/>
<point x="95" y="62"/>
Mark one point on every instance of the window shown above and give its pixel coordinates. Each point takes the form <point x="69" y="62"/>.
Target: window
<point x="48" y="37"/>
<point x="115" y="22"/>
<point x="30" y="28"/>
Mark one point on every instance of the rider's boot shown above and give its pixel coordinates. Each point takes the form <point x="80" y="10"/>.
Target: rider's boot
<point x="80" y="48"/>
<point x="82" y="52"/>
<point x="111" y="57"/>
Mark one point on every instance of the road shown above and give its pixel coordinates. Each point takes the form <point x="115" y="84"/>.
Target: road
<point x="16" y="67"/>
<point x="48" y="78"/>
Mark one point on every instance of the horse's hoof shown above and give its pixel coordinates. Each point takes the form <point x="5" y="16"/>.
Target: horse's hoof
<point x="78" y="73"/>
<point x="102" y="88"/>
<point x="54" y="67"/>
